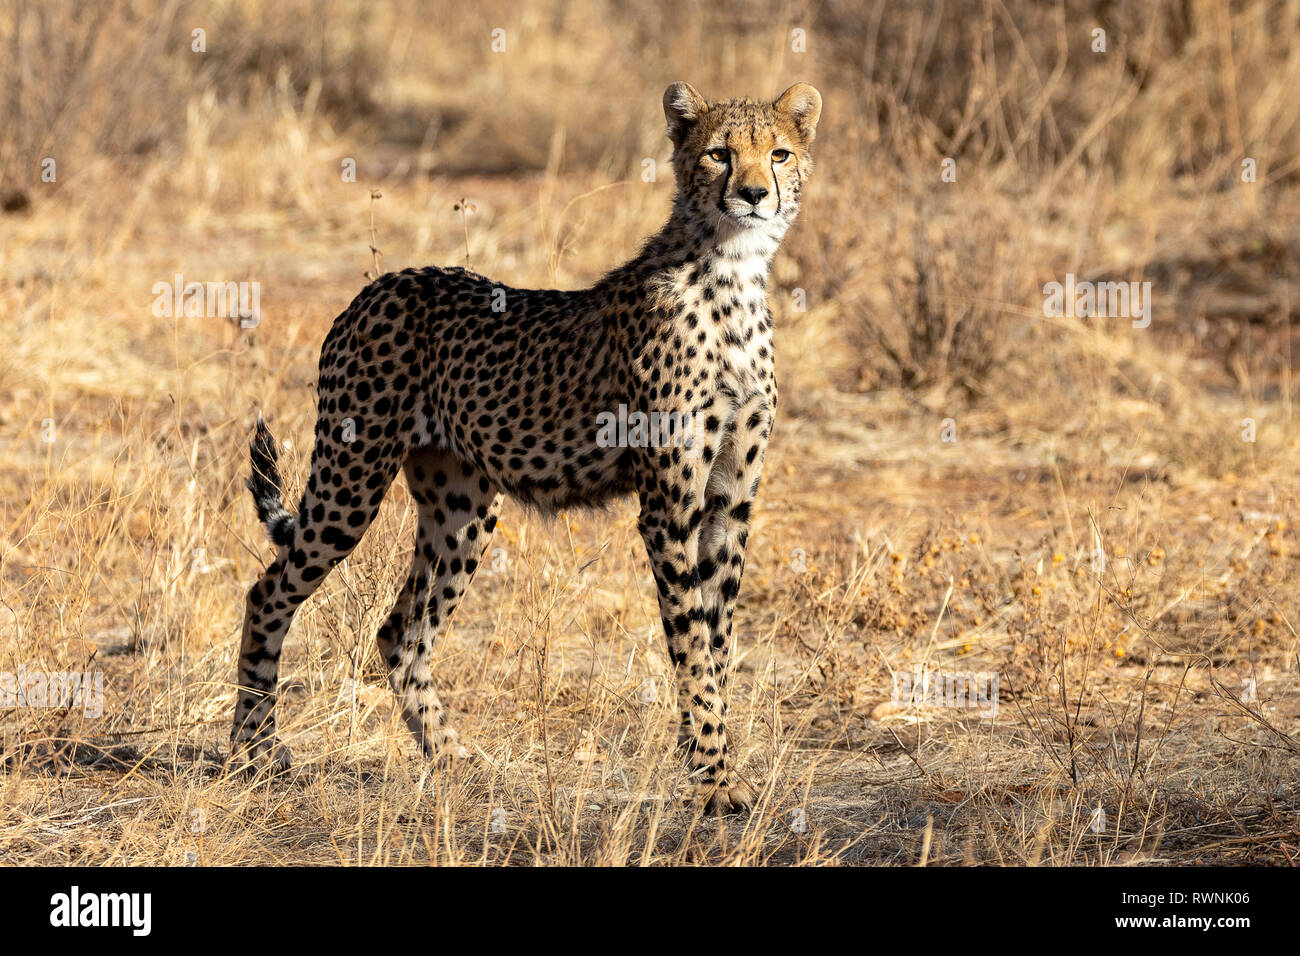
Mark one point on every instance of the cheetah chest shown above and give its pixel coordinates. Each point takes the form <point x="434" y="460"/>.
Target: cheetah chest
<point x="740" y="373"/>
<point x="741" y="342"/>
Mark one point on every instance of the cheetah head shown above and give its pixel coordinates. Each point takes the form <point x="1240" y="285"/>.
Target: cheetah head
<point x="740" y="164"/>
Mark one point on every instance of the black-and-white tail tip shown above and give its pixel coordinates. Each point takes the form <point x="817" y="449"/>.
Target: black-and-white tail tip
<point x="264" y="483"/>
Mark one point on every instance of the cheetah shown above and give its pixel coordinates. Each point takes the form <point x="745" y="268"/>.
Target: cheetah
<point x="475" y="390"/>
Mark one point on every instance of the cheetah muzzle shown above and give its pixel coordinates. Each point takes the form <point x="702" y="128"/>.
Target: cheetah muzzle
<point x="475" y="390"/>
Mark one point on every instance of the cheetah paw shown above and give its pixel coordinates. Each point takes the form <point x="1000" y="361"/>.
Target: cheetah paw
<point x="450" y="751"/>
<point x="734" y="796"/>
<point x="253" y="756"/>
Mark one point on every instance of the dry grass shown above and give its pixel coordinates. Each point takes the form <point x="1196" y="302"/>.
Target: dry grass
<point x="126" y="540"/>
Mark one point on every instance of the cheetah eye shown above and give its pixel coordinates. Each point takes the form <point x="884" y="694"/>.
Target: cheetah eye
<point x="780" y="155"/>
<point x="719" y="155"/>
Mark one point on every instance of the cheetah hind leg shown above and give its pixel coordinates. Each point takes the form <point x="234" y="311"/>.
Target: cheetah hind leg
<point x="309" y="547"/>
<point x="458" y="511"/>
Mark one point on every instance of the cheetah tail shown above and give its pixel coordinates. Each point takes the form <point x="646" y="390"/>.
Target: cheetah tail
<point x="264" y="483"/>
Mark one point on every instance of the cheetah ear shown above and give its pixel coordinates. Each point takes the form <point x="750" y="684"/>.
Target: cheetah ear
<point x="803" y="104"/>
<point x="682" y="106"/>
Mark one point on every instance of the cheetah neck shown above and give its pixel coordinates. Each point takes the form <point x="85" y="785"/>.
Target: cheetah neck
<point x="712" y="239"/>
<point x="696" y="258"/>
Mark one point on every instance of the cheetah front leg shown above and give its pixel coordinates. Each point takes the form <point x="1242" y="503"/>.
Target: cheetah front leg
<point x="732" y="487"/>
<point x="671" y="515"/>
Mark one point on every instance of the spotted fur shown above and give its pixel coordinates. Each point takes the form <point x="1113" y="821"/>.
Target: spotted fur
<point x="476" y="390"/>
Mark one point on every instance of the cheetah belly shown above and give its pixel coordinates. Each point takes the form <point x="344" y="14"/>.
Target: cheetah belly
<point x="547" y="458"/>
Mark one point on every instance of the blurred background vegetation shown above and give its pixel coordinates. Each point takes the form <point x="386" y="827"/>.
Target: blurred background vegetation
<point x="1080" y="131"/>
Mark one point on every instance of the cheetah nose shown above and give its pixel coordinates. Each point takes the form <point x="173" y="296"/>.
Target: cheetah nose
<point x="752" y="194"/>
